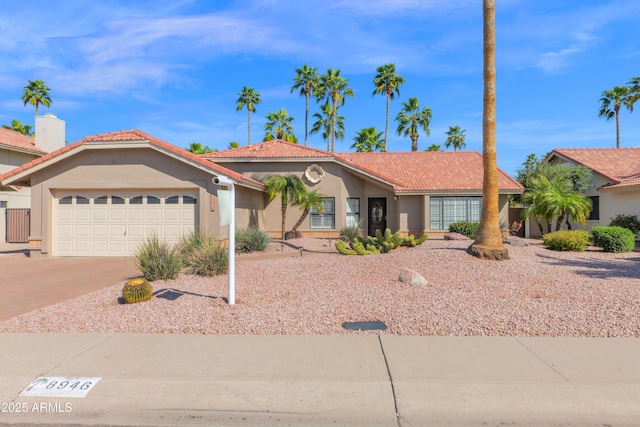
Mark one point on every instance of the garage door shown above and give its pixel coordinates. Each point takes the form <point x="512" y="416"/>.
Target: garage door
<point x="114" y="223"/>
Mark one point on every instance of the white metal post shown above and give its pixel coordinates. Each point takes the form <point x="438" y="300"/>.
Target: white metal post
<point x="224" y="181"/>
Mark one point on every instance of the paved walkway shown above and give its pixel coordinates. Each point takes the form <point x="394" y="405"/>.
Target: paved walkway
<point x="171" y="380"/>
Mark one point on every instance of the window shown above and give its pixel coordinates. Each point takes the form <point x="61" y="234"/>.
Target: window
<point x="81" y="200"/>
<point x="595" y="208"/>
<point x="117" y="200"/>
<point x="353" y="212"/>
<point x="3" y="203"/>
<point x="447" y="210"/>
<point x="102" y="200"/>
<point x="137" y="200"/>
<point x="65" y="200"/>
<point x="188" y="200"/>
<point x="173" y="200"/>
<point x="326" y="219"/>
<point x="153" y="200"/>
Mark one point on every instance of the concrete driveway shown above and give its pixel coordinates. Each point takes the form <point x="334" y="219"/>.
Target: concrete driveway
<point x="30" y="283"/>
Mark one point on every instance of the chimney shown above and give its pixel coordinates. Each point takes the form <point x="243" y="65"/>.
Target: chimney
<point x="50" y="132"/>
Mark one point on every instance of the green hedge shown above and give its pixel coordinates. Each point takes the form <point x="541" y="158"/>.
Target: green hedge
<point x="567" y="240"/>
<point x="629" y="222"/>
<point x="614" y="239"/>
<point x="465" y="228"/>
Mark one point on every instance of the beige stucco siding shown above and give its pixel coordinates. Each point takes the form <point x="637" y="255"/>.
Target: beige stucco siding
<point x="131" y="169"/>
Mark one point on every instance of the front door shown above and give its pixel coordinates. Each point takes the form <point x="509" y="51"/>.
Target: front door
<point x="377" y="207"/>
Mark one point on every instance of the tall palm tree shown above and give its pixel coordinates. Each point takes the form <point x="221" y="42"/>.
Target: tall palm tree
<point x="335" y="89"/>
<point x="387" y="82"/>
<point x="618" y="96"/>
<point x="291" y="190"/>
<point x="634" y="88"/>
<point x="455" y="138"/>
<point x="36" y="93"/>
<point x="197" y="148"/>
<point x="488" y="243"/>
<point x="368" y="140"/>
<point x="19" y="127"/>
<point x="310" y="199"/>
<point x="279" y="126"/>
<point x="250" y="98"/>
<point x="434" y="147"/>
<point x="410" y="118"/>
<point x="306" y="81"/>
<point x="324" y="124"/>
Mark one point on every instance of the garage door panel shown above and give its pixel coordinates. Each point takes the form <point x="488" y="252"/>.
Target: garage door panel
<point x="116" y="222"/>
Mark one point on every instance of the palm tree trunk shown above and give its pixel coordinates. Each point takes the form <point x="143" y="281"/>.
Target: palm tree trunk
<point x="488" y="243"/>
<point x="333" y="127"/>
<point x="414" y="142"/>
<point x="617" y="109"/>
<point x="305" y="213"/>
<point x="540" y="226"/>
<point x="560" y="221"/>
<point x="386" y="126"/>
<point x="248" y="126"/>
<point x="284" y="216"/>
<point x="306" y="118"/>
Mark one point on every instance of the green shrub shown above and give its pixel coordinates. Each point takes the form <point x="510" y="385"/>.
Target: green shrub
<point x="614" y="239"/>
<point x="350" y="234"/>
<point x="157" y="260"/>
<point x="251" y="240"/>
<point x="567" y="240"/>
<point x="465" y="228"/>
<point x="630" y="222"/>
<point x="211" y="258"/>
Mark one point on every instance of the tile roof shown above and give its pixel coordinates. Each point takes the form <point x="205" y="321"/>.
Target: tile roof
<point x="431" y="171"/>
<point x="406" y="171"/>
<point x="274" y="149"/>
<point x="15" y="140"/>
<point x="126" y="136"/>
<point x="619" y="165"/>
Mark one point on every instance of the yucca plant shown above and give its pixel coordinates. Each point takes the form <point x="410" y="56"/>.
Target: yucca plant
<point x="157" y="260"/>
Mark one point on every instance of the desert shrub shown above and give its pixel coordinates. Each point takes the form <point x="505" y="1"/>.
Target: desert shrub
<point x="630" y="222"/>
<point x="251" y="239"/>
<point x="137" y="290"/>
<point x="465" y="228"/>
<point x="350" y="234"/>
<point x="211" y="258"/>
<point x="614" y="239"/>
<point x="157" y="260"/>
<point x="189" y="243"/>
<point x="567" y="240"/>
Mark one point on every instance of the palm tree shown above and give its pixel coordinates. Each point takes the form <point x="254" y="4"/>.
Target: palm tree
<point x="310" y="199"/>
<point x="197" y="148"/>
<point x="368" y="140"/>
<point x="488" y="243"/>
<point x="562" y="203"/>
<point x="19" y="127"/>
<point x="279" y="126"/>
<point x="618" y="96"/>
<point x="534" y="199"/>
<point x="387" y="82"/>
<point x="291" y="190"/>
<point x="233" y="144"/>
<point x="410" y="118"/>
<point x="455" y="138"/>
<point x="434" y="147"/>
<point x="250" y="98"/>
<point x="306" y="81"/>
<point x="324" y="124"/>
<point x="36" y="93"/>
<point x="634" y="88"/>
<point x="335" y="89"/>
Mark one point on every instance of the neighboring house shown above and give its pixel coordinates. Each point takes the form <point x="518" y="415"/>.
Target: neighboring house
<point x="615" y="187"/>
<point x="412" y="192"/>
<point x="15" y="150"/>
<point x="103" y="195"/>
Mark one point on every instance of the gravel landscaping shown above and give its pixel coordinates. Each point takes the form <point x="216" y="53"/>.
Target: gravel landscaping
<point x="537" y="292"/>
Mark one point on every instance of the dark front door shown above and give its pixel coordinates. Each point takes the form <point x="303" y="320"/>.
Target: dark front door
<point x="377" y="207"/>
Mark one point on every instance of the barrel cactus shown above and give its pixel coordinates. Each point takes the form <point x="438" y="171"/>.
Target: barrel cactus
<point x="137" y="290"/>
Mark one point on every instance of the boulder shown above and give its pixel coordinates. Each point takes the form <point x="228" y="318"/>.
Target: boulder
<point x="455" y="236"/>
<point x="514" y="241"/>
<point x="412" y="277"/>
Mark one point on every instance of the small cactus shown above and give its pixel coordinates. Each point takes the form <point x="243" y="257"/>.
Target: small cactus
<point x="383" y="242"/>
<point x="137" y="290"/>
<point x="341" y="247"/>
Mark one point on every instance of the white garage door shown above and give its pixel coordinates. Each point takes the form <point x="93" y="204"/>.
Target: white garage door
<point x="113" y="223"/>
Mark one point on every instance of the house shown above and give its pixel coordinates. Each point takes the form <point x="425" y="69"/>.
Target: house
<point x="413" y="192"/>
<point x="615" y="186"/>
<point x="15" y="150"/>
<point x="103" y="195"/>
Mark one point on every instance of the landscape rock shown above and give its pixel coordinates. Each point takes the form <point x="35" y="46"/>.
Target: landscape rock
<point x="412" y="277"/>
<point x="514" y="241"/>
<point x="455" y="236"/>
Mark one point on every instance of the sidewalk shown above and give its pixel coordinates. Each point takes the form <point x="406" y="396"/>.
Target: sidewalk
<point x="359" y="380"/>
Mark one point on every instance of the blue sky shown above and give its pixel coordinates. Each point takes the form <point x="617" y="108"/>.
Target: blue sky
<point x="174" y="68"/>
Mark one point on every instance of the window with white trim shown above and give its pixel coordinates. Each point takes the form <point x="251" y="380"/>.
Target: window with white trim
<point x="444" y="211"/>
<point x="326" y="219"/>
<point x="353" y="212"/>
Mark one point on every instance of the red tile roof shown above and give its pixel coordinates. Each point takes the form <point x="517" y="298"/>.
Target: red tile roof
<point x="136" y="136"/>
<point x="406" y="171"/>
<point x="15" y="140"/>
<point x="619" y="165"/>
<point x="274" y="149"/>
